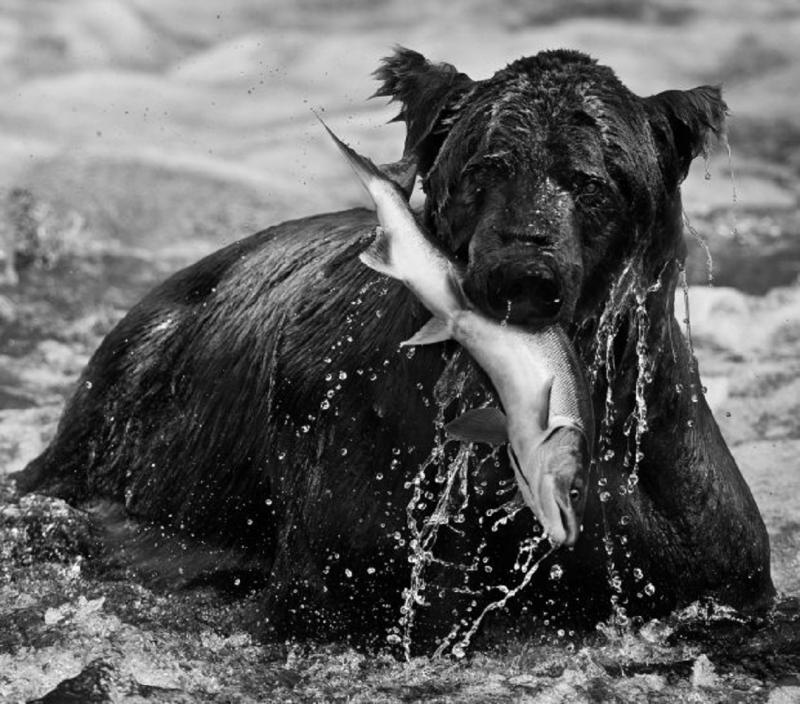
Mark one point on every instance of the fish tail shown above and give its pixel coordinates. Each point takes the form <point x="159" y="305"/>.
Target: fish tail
<point x="364" y="168"/>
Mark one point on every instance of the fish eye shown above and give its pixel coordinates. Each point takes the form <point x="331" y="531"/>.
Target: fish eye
<point x="574" y="494"/>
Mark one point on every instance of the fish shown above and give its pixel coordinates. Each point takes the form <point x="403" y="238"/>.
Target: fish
<point x="547" y="418"/>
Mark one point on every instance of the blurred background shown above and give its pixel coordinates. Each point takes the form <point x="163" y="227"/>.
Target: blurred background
<point x="172" y="126"/>
<point x="139" y="135"/>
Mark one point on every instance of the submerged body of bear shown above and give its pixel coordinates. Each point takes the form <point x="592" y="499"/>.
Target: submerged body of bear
<point x="257" y="401"/>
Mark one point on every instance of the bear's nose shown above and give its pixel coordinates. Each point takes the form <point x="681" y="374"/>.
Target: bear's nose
<point x="520" y="294"/>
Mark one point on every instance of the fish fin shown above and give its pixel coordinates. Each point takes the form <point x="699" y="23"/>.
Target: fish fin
<point x="542" y="404"/>
<point x="435" y="330"/>
<point x="378" y="255"/>
<point x="487" y="425"/>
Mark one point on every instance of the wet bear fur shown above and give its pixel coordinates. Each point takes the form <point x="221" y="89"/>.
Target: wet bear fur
<point x="255" y="406"/>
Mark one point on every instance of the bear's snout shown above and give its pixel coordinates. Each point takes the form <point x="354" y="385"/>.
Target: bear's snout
<point x="521" y="293"/>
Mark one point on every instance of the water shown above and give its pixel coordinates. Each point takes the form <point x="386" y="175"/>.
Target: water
<point x="459" y="649"/>
<point x="452" y="500"/>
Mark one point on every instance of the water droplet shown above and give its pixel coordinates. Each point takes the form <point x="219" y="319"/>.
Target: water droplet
<point x="393" y="639"/>
<point x="379" y="476"/>
<point x="556" y="572"/>
<point x="281" y="455"/>
<point x="249" y="521"/>
<point x="343" y="451"/>
<point x="305" y="428"/>
<point x="237" y="582"/>
<point x="329" y="377"/>
<point x="325" y="405"/>
<point x="348" y="573"/>
<point x="649" y="589"/>
<point x="624" y="520"/>
<point x="690" y="423"/>
<point x="605" y="496"/>
<point x="268" y="502"/>
<point x="370" y="570"/>
<point x="637" y="573"/>
<point x="342" y="376"/>
<point x="87" y="384"/>
<point x="458" y="652"/>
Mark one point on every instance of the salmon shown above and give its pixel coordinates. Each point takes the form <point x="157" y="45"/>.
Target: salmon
<point x="547" y="416"/>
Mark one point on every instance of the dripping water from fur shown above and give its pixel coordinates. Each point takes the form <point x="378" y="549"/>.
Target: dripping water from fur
<point x="449" y="506"/>
<point x="703" y="244"/>
<point x="428" y="512"/>
<point x="627" y="303"/>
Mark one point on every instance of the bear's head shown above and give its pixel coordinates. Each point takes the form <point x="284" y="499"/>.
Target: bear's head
<point x="546" y="176"/>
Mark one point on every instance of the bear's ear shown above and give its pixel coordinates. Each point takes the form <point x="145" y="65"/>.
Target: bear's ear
<point x="685" y="123"/>
<point x="426" y="90"/>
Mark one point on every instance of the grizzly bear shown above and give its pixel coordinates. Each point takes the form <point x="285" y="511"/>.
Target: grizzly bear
<point x="256" y="405"/>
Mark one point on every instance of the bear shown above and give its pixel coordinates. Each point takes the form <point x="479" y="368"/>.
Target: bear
<point x="256" y="405"/>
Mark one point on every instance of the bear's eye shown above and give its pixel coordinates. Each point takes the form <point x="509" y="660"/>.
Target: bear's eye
<point x="590" y="190"/>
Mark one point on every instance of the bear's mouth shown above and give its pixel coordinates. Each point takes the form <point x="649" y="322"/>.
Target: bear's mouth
<point x="521" y="293"/>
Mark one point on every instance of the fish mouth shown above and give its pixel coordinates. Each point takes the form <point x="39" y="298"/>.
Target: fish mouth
<point x="557" y="500"/>
<point x="564" y="521"/>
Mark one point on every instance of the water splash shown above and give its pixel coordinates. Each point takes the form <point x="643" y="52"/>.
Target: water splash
<point x="452" y="501"/>
<point x="701" y="241"/>
<point x="627" y="303"/>
<point x="459" y="649"/>
<point x="687" y="321"/>
<point x="429" y="511"/>
<point x="734" y="191"/>
<point x="644" y="377"/>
